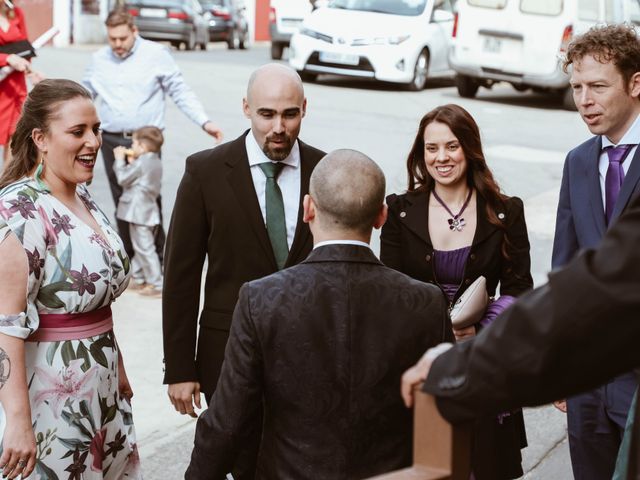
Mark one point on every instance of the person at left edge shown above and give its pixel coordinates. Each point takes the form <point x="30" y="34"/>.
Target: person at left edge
<point x="221" y="213"/>
<point x="13" y="89"/>
<point x="132" y="76"/>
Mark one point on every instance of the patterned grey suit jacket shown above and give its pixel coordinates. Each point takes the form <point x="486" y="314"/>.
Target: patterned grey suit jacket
<point x="324" y="343"/>
<point x="141" y="181"/>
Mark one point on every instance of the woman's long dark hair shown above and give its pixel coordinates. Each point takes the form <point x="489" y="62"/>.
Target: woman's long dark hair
<point x="479" y="177"/>
<point x="41" y="105"/>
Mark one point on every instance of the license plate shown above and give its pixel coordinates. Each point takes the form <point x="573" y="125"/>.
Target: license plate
<point x="342" y="58"/>
<point x="153" y="12"/>
<point x="492" y="44"/>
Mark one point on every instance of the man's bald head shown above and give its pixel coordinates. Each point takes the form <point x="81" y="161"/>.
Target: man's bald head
<point x="347" y="189"/>
<point x="274" y="74"/>
<point x="275" y="104"/>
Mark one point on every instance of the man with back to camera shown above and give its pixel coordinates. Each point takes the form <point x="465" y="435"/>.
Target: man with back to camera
<point x="324" y="343"/>
<point x="238" y="205"/>
<point x="600" y="177"/>
<point x="131" y="78"/>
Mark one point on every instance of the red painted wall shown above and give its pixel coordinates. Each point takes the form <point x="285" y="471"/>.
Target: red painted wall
<point x="38" y="14"/>
<point x="262" y="20"/>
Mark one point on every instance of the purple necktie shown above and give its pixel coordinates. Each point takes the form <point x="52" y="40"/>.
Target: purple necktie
<point x="615" y="176"/>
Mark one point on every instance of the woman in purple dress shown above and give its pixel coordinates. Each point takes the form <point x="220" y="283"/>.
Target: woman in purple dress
<point x="452" y="226"/>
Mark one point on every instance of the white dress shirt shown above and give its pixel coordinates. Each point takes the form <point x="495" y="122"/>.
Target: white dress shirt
<point x="288" y="181"/>
<point x="342" y="242"/>
<point x="631" y="136"/>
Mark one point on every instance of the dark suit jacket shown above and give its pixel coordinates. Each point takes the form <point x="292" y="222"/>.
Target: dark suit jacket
<point x="406" y="245"/>
<point x="217" y="216"/>
<point x="580" y="221"/>
<point x="325" y="344"/>
<point x="570" y="335"/>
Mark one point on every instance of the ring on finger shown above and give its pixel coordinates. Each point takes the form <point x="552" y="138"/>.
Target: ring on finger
<point x="22" y="463"/>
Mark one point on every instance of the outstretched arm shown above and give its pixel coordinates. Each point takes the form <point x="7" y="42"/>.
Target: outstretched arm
<point x="570" y="335"/>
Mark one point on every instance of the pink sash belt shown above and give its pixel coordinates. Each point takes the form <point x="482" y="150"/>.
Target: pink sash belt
<point x="72" y="326"/>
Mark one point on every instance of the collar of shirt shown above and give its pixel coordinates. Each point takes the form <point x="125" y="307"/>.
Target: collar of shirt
<point x="342" y="242"/>
<point x="257" y="156"/>
<point x="631" y="136"/>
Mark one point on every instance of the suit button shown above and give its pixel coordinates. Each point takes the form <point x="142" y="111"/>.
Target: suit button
<point x="403" y="214"/>
<point x="472" y="256"/>
<point x="467" y="281"/>
<point x="428" y="258"/>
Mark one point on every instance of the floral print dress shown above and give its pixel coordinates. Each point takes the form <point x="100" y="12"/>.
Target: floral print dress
<point x="83" y="428"/>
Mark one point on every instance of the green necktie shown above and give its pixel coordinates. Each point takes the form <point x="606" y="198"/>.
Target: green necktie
<point x="276" y="225"/>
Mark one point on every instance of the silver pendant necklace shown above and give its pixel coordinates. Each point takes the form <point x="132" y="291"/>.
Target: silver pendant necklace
<point x="456" y="222"/>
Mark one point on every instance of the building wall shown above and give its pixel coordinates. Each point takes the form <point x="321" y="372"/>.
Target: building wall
<point x="82" y="21"/>
<point x="38" y="15"/>
<point x="262" y="20"/>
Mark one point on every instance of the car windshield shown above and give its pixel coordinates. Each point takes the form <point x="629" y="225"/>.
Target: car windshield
<point x="396" y="7"/>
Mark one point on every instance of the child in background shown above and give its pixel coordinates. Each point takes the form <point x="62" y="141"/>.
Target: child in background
<point x="139" y="173"/>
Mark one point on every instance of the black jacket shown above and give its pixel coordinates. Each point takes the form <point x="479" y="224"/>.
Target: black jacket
<point x="217" y="216"/>
<point x="406" y="245"/>
<point x="325" y="344"/>
<point x="566" y="337"/>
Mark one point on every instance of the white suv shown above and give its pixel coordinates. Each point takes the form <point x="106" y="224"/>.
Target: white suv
<point x="521" y="41"/>
<point x="285" y="18"/>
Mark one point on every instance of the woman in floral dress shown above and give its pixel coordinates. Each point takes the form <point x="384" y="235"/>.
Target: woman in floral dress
<point x="63" y="389"/>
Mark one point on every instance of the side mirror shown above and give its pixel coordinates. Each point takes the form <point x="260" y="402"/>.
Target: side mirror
<point x="441" y="16"/>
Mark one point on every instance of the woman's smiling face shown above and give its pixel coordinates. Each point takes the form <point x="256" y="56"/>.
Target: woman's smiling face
<point x="71" y="143"/>
<point x="443" y="155"/>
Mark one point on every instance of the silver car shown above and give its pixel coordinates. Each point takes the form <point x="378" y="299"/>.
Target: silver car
<point x="181" y="22"/>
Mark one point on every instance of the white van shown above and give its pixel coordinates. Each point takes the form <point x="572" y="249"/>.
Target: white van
<point x="521" y="41"/>
<point x="285" y="18"/>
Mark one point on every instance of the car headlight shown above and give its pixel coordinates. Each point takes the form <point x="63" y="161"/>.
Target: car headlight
<point x="317" y="35"/>
<point x="392" y="40"/>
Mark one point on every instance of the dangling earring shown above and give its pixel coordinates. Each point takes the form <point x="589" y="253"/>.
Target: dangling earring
<point x="38" y="176"/>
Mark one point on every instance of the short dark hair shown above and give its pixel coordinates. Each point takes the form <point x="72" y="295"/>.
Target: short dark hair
<point x="348" y="187"/>
<point x="151" y="137"/>
<point x="119" y="16"/>
<point x="618" y="44"/>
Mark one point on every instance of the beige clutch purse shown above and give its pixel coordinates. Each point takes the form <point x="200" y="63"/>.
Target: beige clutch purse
<point x="471" y="305"/>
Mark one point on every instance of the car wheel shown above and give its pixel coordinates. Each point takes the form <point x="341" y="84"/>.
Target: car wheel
<point x="307" y="76"/>
<point x="190" y="44"/>
<point x="420" y="72"/>
<point x="277" y="49"/>
<point x="567" y="100"/>
<point x="467" y="86"/>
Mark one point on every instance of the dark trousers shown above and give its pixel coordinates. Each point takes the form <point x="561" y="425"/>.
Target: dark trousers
<point x="109" y="142"/>
<point x="596" y="422"/>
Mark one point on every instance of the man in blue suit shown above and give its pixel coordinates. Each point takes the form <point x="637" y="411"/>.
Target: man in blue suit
<point x="600" y="177"/>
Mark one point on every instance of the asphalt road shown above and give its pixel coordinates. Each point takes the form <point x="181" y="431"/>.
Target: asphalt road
<point x="525" y="135"/>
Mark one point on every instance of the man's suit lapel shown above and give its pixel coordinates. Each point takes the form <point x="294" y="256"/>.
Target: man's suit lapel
<point x="593" y="186"/>
<point x="628" y="186"/>
<point x="241" y="182"/>
<point x="302" y="233"/>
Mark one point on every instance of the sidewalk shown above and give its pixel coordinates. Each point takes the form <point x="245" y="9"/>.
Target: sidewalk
<point x="165" y="437"/>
